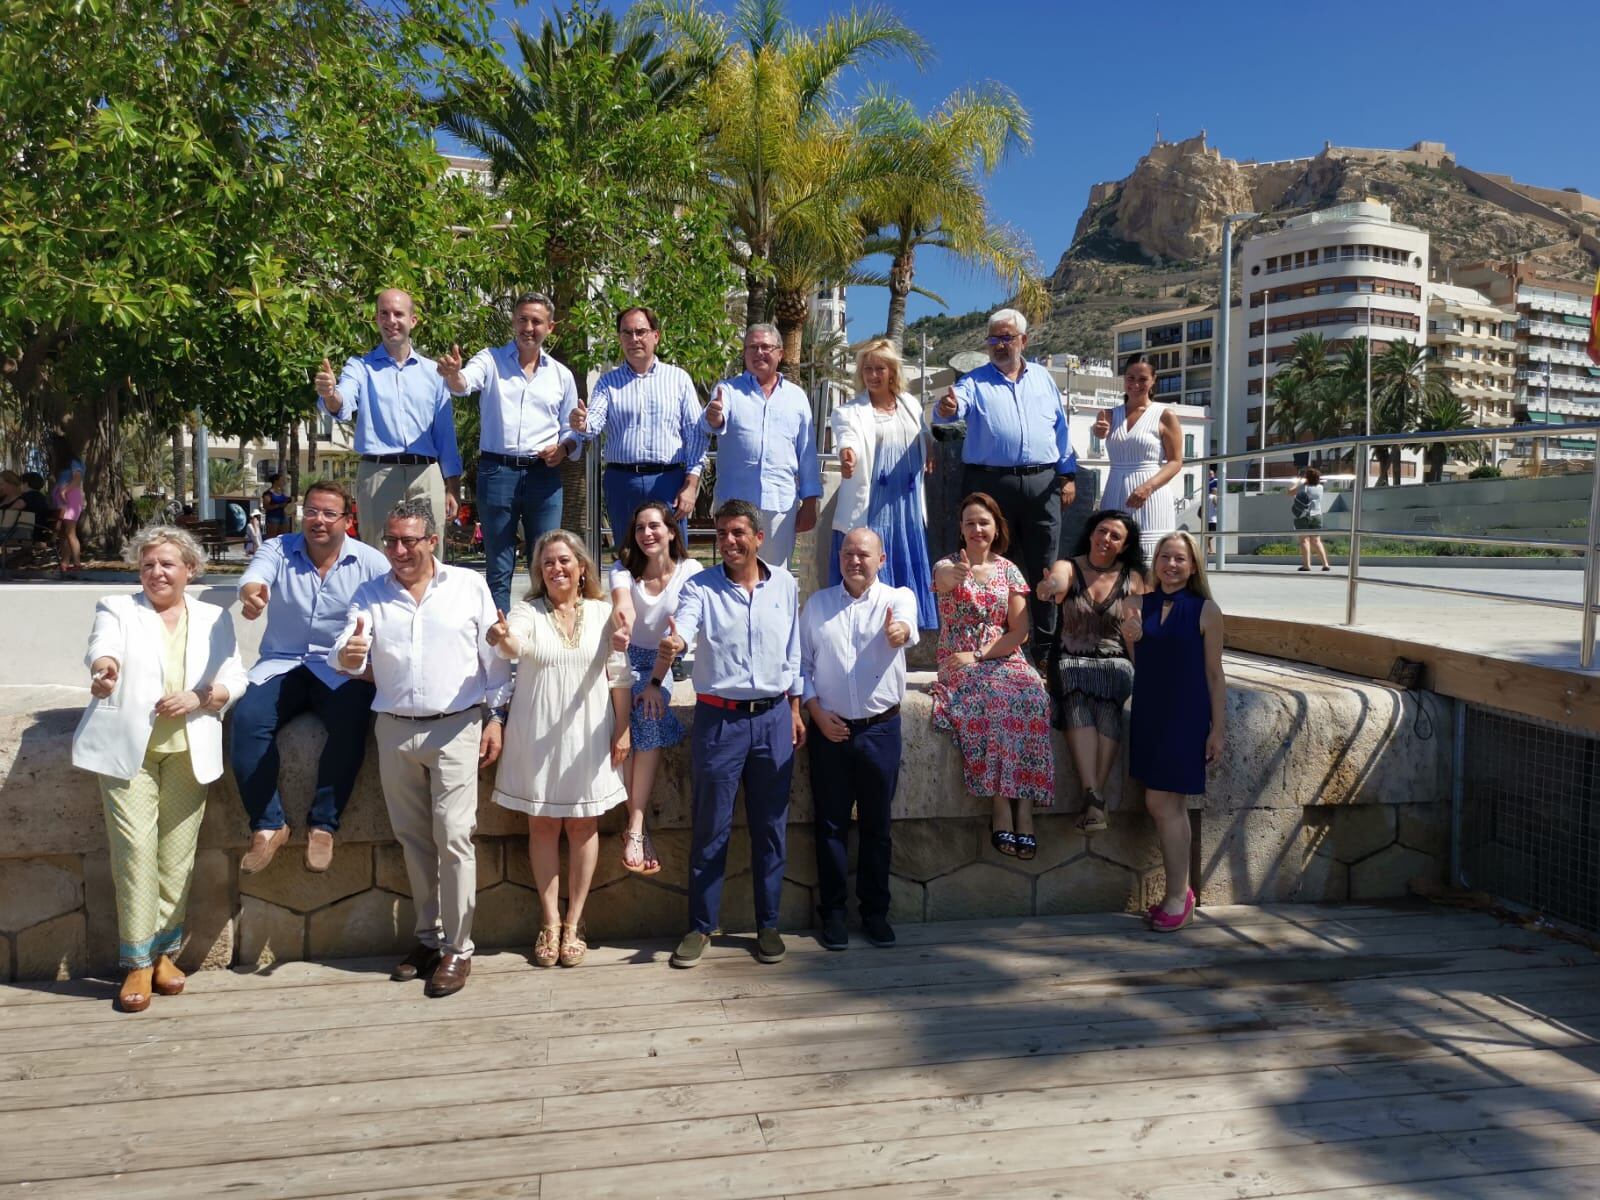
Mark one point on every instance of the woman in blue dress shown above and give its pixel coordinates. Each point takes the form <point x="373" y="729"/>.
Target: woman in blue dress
<point x="884" y="452"/>
<point x="1179" y="709"/>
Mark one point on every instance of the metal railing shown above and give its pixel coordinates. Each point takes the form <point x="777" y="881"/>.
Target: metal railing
<point x="1362" y="445"/>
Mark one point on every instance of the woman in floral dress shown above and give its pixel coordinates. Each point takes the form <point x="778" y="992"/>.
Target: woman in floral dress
<point x="988" y="697"/>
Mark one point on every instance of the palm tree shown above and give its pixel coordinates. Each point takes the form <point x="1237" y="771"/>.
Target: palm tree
<point x="1292" y="399"/>
<point x="938" y="200"/>
<point x="1339" y="403"/>
<point x="1401" y="386"/>
<point x="1440" y="414"/>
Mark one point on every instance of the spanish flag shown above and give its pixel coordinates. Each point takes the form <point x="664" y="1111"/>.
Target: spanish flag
<point x="1594" y="323"/>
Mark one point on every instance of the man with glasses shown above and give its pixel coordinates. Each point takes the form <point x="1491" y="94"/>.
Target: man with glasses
<point x="1018" y="451"/>
<point x="405" y="425"/>
<point x="766" y="447"/>
<point x="525" y="399"/>
<point x="440" y="696"/>
<point x="656" y="447"/>
<point x="303" y="582"/>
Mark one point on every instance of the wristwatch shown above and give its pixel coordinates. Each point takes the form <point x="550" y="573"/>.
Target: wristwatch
<point x="655" y="681"/>
<point x="498" y="714"/>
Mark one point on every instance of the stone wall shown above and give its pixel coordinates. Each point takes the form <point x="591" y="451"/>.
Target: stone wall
<point x="1326" y="794"/>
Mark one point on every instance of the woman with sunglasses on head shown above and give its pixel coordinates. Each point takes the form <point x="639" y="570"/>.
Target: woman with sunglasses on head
<point x="1145" y="445"/>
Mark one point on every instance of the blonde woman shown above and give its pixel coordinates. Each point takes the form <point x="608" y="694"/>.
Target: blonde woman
<point x="567" y="736"/>
<point x="163" y="668"/>
<point x="884" y="452"/>
<point x="1180" y="704"/>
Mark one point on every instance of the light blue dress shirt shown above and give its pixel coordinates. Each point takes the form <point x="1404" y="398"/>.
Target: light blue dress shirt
<point x="649" y="418"/>
<point x="766" y="450"/>
<point x="306" y="610"/>
<point x="749" y="642"/>
<point x="399" y="408"/>
<point x="1012" y="424"/>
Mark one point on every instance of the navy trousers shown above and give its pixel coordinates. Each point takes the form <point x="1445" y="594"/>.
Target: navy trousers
<point x="728" y="749"/>
<point x="266" y="708"/>
<point x="861" y="773"/>
<point x="625" y="491"/>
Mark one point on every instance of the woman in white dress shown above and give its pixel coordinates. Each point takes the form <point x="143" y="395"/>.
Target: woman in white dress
<point x="567" y="735"/>
<point x="1145" y="445"/>
<point x="645" y="587"/>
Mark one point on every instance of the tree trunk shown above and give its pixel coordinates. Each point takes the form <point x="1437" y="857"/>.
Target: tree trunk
<point x="574" y="479"/>
<point x="755" y="302"/>
<point x="198" y="463"/>
<point x="294" y="467"/>
<point x="103" y="491"/>
<point x="179" y="475"/>
<point x="312" y="430"/>
<point x="901" y="272"/>
<point x="790" y="309"/>
<point x="281" y="467"/>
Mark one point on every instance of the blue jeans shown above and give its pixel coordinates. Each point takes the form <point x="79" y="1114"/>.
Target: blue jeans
<point x="507" y="496"/>
<point x="625" y="491"/>
<point x="264" y="709"/>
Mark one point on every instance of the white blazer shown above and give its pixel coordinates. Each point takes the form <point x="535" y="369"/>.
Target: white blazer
<point x="853" y="428"/>
<point x="114" y="733"/>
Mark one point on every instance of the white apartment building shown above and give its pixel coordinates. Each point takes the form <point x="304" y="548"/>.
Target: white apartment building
<point x="1346" y="272"/>
<point x="1179" y="346"/>
<point x="1472" y="343"/>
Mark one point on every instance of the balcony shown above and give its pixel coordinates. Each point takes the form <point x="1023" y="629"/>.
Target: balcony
<point x="1561" y="332"/>
<point x="1571" y="308"/>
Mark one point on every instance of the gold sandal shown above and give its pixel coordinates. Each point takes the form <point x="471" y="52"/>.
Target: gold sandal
<point x="573" y="947"/>
<point x="548" y="948"/>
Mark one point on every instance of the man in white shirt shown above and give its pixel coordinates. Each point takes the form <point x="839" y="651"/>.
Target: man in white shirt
<point x="440" y="699"/>
<point x="853" y="640"/>
<point x="525" y="403"/>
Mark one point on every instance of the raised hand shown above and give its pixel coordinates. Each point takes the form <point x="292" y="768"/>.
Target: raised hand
<point x="327" y="382"/>
<point x="1132" y="623"/>
<point x="962" y="566"/>
<point x="673" y="642"/>
<point x="1047" y="589"/>
<point x="847" y="463"/>
<point x="898" y="633"/>
<point x="579" y="420"/>
<point x="947" y="406"/>
<point x="1102" y="425"/>
<point x="252" y="600"/>
<point x="356" y="649"/>
<point x="449" y="365"/>
<point x="499" y="631"/>
<point x="103" y="677"/>
<point x="619" y="635"/>
<point x="715" y="415"/>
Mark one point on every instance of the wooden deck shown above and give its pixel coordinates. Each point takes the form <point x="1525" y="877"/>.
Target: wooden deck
<point x="1353" y="1052"/>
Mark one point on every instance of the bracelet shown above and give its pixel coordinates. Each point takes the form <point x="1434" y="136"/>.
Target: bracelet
<point x="654" y="682"/>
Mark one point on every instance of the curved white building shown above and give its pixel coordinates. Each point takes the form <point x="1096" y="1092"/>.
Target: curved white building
<point x="1345" y="272"/>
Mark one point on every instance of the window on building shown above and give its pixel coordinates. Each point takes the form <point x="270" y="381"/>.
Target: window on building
<point x="1200" y="330"/>
<point x="1169" y="385"/>
<point x="1188" y="445"/>
<point x="1132" y="340"/>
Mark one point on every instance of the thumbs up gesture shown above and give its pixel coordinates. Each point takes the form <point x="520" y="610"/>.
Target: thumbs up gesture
<point x="1102" y="425"/>
<point x="1132" y="622"/>
<point x="619" y="633"/>
<point x="847" y="463"/>
<point x="449" y="365"/>
<point x="898" y="633"/>
<point x="252" y="600"/>
<point x="947" y="403"/>
<point x="499" y="631"/>
<point x="715" y="416"/>
<point x="673" y="642"/>
<point x="354" y="653"/>
<point x="327" y="382"/>
<point x="963" y="565"/>
<point x="579" y="420"/>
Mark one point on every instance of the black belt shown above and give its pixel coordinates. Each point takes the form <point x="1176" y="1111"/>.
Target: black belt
<point x="432" y="716"/>
<point x="641" y="468"/>
<point x="1031" y="469"/>
<point x="753" y="707"/>
<point x="522" y="463"/>
<point x="857" y="724"/>
<point x="402" y="460"/>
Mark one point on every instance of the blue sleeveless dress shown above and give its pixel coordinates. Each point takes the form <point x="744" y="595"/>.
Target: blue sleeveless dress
<point x="1171" y="702"/>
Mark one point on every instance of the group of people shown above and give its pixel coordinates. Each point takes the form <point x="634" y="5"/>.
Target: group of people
<point x="54" y="515"/>
<point x="567" y="691"/>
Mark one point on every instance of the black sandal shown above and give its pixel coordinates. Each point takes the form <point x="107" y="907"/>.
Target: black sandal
<point x="1027" y="846"/>
<point x="1004" y="841"/>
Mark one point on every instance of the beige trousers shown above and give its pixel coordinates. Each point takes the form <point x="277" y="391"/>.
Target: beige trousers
<point x="380" y="486"/>
<point x="429" y="771"/>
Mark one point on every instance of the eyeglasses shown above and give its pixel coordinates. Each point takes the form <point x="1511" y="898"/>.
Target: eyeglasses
<point x="1002" y="339"/>
<point x="390" y="542"/>
<point x="638" y="333"/>
<point x="325" y="513"/>
<point x="762" y="347"/>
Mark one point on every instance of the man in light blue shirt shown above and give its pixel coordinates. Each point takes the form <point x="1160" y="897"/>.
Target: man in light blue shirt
<point x="1018" y="451"/>
<point x="525" y="400"/>
<point x="766" y="447"/>
<point x="405" y="427"/>
<point x="303" y="582"/>
<point x="656" y="447"/>
<point x="742" y="620"/>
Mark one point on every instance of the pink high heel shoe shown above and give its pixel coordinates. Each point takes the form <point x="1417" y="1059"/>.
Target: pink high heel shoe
<point x="1164" y="922"/>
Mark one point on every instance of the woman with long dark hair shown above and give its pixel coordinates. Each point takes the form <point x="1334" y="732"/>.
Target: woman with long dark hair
<point x="1144" y="442"/>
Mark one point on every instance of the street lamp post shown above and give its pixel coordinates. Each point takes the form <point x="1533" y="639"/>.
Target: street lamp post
<point x="1224" y="352"/>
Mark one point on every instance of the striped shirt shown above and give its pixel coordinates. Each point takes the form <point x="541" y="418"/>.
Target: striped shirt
<point x="651" y="418"/>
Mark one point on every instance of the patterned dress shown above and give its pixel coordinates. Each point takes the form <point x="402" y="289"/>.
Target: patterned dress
<point x="997" y="711"/>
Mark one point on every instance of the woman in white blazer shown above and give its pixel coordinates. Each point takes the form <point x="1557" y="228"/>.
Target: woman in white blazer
<point x="884" y="451"/>
<point x="163" y="668"/>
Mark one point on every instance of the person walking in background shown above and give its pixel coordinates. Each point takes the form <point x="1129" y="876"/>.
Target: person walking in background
<point x="1145" y="445"/>
<point x="66" y="499"/>
<point x="254" y="535"/>
<point x="525" y="399"/>
<point x="163" y="669"/>
<point x="1305" y="506"/>
<point x="440" y="695"/>
<point x="405" y="427"/>
<point x="742" y="620"/>
<point x="567" y="736"/>
<point x="1018" y="451"/>
<point x="275" y="506"/>
<point x="884" y="452"/>
<point x="766" y="450"/>
<point x="853" y="640"/>
<point x="646" y="586"/>
<point x="656" y="447"/>
<point x="1091" y="676"/>
<point x="1180" y="705"/>
<point x="304" y="582"/>
<point x="988" y="697"/>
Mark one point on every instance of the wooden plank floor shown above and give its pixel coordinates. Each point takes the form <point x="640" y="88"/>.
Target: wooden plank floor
<point x="1352" y="1052"/>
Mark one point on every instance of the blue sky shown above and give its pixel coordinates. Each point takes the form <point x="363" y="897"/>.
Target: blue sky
<point x="1509" y="88"/>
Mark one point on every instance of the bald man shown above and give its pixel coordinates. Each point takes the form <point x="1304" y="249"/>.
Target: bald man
<point x="853" y="640"/>
<point x="405" y="429"/>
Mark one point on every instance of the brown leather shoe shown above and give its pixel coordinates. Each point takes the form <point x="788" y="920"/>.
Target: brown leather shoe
<point x="319" y="850"/>
<point x="420" y="962"/>
<point x="134" y="995"/>
<point x="167" y="979"/>
<point x="264" y="847"/>
<point x="450" y="976"/>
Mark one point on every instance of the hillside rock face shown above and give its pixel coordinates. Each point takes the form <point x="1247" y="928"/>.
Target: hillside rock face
<point x="1172" y="205"/>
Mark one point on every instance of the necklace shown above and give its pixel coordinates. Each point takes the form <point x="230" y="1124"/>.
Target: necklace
<point x="570" y="637"/>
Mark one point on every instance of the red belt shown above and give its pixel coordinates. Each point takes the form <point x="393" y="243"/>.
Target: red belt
<point x="744" y="706"/>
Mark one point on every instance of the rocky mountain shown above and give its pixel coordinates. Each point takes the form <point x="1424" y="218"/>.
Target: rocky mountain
<point x="1150" y="241"/>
